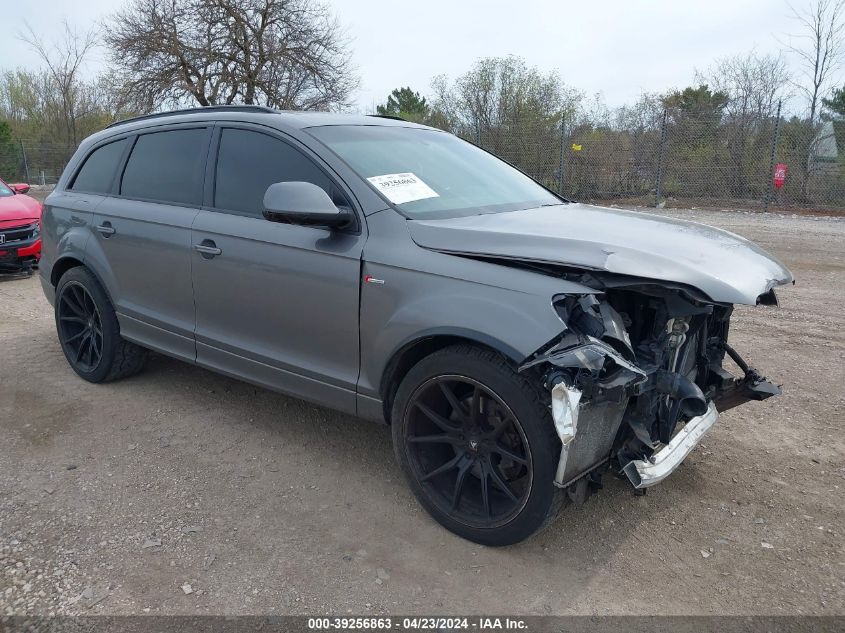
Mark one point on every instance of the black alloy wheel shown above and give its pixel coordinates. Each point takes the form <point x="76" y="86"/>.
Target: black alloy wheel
<point x="89" y="332"/>
<point x="468" y="451"/>
<point x="80" y="327"/>
<point x="476" y="441"/>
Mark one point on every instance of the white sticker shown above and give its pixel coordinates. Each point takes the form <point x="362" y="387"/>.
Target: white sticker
<point x="401" y="188"/>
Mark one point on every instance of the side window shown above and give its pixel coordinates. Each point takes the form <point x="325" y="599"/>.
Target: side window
<point x="97" y="171"/>
<point x="249" y="162"/>
<point x="166" y="166"/>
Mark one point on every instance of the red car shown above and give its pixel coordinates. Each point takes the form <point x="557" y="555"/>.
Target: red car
<point x="20" y="229"/>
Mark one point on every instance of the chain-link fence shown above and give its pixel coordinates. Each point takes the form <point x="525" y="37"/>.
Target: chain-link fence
<point x="674" y="161"/>
<point x="34" y="162"/>
<point x="752" y="163"/>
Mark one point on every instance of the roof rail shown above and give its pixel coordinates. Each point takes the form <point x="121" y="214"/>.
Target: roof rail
<point x="388" y="116"/>
<point x="214" y="108"/>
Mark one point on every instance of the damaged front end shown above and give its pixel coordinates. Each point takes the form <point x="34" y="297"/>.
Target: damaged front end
<point x="636" y="379"/>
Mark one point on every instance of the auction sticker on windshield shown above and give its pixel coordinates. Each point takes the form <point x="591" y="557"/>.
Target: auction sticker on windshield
<point x="401" y="188"/>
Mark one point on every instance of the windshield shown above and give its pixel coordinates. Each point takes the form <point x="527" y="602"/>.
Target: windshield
<point x="5" y="190"/>
<point x="431" y="174"/>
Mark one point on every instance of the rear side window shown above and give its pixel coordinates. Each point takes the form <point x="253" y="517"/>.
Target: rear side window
<point x="166" y="166"/>
<point x="97" y="173"/>
<point x="249" y="162"/>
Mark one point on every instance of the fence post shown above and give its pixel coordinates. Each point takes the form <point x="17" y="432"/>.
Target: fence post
<point x="770" y="176"/>
<point x="659" y="175"/>
<point x="25" y="163"/>
<point x="562" y="150"/>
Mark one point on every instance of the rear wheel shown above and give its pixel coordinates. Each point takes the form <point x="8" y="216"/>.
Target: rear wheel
<point x="477" y="445"/>
<point x="88" y="330"/>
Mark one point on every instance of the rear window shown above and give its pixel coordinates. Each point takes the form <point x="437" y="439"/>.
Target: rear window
<point x="166" y="166"/>
<point x="97" y="173"/>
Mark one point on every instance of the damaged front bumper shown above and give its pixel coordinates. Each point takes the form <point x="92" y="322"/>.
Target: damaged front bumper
<point x="647" y="472"/>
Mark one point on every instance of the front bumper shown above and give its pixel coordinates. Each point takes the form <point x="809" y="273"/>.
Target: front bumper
<point x="15" y="255"/>
<point x="648" y="472"/>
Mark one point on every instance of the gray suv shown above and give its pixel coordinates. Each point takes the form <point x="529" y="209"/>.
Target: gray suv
<point x="519" y="344"/>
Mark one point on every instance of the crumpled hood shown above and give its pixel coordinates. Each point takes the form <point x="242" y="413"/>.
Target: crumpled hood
<point x="724" y="266"/>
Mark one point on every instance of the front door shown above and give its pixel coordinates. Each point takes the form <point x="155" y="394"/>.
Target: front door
<point x="276" y="304"/>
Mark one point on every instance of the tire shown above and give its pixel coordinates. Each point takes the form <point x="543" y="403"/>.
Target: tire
<point x="88" y="331"/>
<point x="429" y="433"/>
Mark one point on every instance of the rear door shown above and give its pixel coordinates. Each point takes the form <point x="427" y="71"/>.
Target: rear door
<point x="276" y="304"/>
<point x="142" y="236"/>
<point x="68" y="212"/>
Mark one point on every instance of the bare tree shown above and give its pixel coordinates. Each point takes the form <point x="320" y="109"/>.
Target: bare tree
<point x="819" y="48"/>
<point x="510" y="108"/>
<point x="501" y="92"/>
<point x="64" y="90"/>
<point x="290" y="54"/>
<point x="644" y="115"/>
<point x="754" y="84"/>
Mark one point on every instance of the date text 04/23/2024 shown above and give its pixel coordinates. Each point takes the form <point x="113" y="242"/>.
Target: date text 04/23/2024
<point x="417" y="623"/>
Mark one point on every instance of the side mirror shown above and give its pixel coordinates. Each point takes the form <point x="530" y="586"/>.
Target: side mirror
<point x="20" y="187"/>
<point x="303" y="203"/>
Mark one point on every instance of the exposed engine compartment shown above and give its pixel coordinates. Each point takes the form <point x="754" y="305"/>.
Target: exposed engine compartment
<point x="633" y="365"/>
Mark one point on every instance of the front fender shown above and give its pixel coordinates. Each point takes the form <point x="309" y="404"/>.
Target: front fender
<point x="410" y="293"/>
<point x="413" y="305"/>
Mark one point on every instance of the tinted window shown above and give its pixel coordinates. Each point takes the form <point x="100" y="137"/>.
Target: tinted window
<point x="166" y="166"/>
<point x="97" y="172"/>
<point x="249" y="162"/>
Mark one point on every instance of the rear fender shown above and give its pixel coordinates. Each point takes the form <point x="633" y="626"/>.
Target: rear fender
<point x="65" y="230"/>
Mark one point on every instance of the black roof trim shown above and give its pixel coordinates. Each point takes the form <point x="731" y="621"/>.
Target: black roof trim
<point x="213" y="108"/>
<point x="388" y="116"/>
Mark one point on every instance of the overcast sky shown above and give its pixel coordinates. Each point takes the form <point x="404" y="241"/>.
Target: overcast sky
<point x="618" y="48"/>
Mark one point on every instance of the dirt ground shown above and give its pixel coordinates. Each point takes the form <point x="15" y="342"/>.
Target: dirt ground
<point x="113" y="497"/>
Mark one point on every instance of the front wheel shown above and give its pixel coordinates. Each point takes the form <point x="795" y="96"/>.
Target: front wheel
<point x="477" y="444"/>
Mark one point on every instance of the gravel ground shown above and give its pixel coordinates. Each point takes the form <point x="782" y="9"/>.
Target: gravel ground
<point x="183" y="492"/>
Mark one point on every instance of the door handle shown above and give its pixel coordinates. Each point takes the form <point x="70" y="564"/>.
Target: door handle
<point x="208" y="249"/>
<point x="106" y="229"/>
